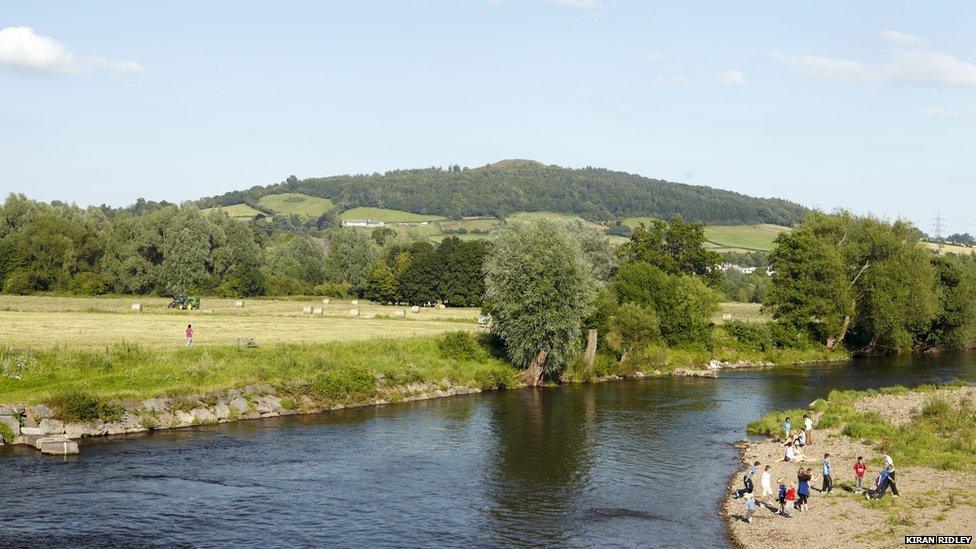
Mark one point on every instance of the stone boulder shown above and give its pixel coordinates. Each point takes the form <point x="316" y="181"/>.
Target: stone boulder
<point x="267" y="405"/>
<point x="87" y="429"/>
<point x="222" y="411"/>
<point x="51" y="427"/>
<point x="156" y="405"/>
<point x="13" y="422"/>
<point x="11" y="410"/>
<point x="203" y="416"/>
<point x="259" y="389"/>
<point x="56" y="445"/>
<point x="38" y="412"/>
<point x="184" y="418"/>
<point x="239" y="405"/>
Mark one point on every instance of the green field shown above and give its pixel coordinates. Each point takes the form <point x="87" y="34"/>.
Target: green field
<point x="385" y="215"/>
<point x="532" y="216"/>
<point x="633" y="222"/>
<point x="29" y="321"/>
<point x="295" y="203"/>
<point x="469" y="224"/>
<point x="744" y="237"/>
<point x="237" y="211"/>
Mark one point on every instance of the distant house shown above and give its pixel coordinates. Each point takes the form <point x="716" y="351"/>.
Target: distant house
<point x="363" y="223"/>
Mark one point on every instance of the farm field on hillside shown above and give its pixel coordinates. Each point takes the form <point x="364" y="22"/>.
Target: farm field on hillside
<point x="41" y="322"/>
<point x="295" y="203"/>
<point x="237" y="211"/>
<point x="747" y="237"/>
<point x="385" y="215"/>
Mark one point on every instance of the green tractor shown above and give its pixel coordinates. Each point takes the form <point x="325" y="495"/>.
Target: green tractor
<point x="184" y="302"/>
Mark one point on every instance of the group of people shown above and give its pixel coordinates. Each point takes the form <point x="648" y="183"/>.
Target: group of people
<point x="796" y="495"/>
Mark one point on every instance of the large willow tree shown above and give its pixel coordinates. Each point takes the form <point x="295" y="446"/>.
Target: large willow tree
<point x="539" y="287"/>
<point x="851" y="280"/>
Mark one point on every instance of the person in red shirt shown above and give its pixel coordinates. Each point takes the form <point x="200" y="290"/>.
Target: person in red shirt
<point x="790" y="498"/>
<point x="859" y="469"/>
<point x="189" y="335"/>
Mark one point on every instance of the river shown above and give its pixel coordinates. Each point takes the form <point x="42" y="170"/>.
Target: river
<point x="640" y="463"/>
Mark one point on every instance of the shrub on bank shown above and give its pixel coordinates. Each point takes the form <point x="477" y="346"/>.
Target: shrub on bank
<point x="72" y="406"/>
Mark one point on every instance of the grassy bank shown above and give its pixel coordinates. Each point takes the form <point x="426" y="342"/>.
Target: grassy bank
<point x="339" y="372"/>
<point x="929" y="433"/>
<point x="937" y="430"/>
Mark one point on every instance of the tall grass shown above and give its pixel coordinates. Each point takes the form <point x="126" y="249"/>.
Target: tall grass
<point x="334" y="371"/>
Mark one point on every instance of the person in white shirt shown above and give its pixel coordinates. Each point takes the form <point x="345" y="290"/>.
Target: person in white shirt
<point x="767" y="484"/>
<point x="808" y="428"/>
<point x="790" y="453"/>
<point x="889" y="463"/>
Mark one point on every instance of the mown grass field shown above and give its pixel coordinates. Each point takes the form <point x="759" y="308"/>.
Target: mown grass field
<point x="950" y="248"/>
<point x="241" y="212"/>
<point x="385" y="215"/>
<point x="43" y="322"/>
<point x="744" y="237"/>
<point x="295" y="203"/>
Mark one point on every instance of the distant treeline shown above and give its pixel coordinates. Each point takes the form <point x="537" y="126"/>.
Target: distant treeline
<point x="505" y="188"/>
<point x="160" y="249"/>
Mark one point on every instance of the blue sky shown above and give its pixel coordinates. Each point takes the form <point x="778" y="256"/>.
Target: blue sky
<point x="868" y="105"/>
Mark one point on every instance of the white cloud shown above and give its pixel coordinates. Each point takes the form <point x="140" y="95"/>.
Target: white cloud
<point x="907" y="67"/>
<point x="733" y="78"/>
<point x="587" y="4"/>
<point x="23" y="50"/>
<point x="728" y="78"/>
<point x="947" y="112"/>
<point x="901" y="38"/>
<point x="654" y="57"/>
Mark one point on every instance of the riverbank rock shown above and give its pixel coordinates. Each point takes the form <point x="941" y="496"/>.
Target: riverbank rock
<point x="13" y="423"/>
<point x="84" y="430"/>
<point x="259" y="389"/>
<point x="239" y="405"/>
<point x="39" y="412"/>
<point x="156" y="405"/>
<point x="684" y="372"/>
<point x="11" y="410"/>
<point x="203" y="416"/>
<point x="50" y="427"/>
<point x="58" y="445"/>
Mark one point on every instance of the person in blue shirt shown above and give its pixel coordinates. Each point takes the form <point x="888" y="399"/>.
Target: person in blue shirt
<point x="828" y="482"/>
<point x="787" y="428"/>
<point x="781" y="497"/>
<point x="882" y="485"/>
<point x="803" y="489"/>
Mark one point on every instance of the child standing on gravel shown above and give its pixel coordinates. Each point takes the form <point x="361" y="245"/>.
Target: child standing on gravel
<point x="860" y="468"/>
<point x="750" y="507"/>
<point x="802" y="488"/>
<point x="828" y="482"/>
<point x="791" y="498"/>
<point x="781" y="497"/>
<point x="808" y="428"/>
<point x="787" y="429"/>
<point x="766" y="483"/>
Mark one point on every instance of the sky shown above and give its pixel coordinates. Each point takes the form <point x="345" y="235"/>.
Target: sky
<point x="866" y="105"/>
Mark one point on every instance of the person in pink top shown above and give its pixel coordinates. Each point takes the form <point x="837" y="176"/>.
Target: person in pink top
<point x="189" y="335"/>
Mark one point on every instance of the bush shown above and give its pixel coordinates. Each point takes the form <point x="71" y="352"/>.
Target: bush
<point x="342" y="383"/>
<point x="459" y="345"/>
<point x="288" y="404"/>
<point x="87" y="283"/>
<point x="753" y="336"/>
<point x="496" y="377"/>
<point x="75" y="406"/>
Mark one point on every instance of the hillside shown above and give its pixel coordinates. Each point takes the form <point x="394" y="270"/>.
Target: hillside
<point x="503" y="188"/>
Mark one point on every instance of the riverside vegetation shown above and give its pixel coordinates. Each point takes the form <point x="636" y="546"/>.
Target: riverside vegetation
<point x="840" y="283"/>
<point x="930" y="433"/>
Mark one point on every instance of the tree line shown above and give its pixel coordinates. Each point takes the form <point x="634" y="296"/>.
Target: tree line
<point x="502" y="189"/>
<point x="163" y="249"/>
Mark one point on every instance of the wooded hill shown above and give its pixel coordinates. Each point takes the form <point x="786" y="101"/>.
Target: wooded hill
<point x="500" y="189"/>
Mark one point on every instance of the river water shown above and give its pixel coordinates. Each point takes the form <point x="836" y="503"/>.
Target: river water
<point x="640" y="463"/>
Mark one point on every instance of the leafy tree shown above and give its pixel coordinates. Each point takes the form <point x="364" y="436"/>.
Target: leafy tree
<point x="954" y="325"/>
<point x="300" y="258"/>
<point x="539" y="288"/>
<point x="683" y="303"/>
<point x="351" y="256"/>
<point x="676" y="247"/>
<point x="633" y="327"/>
<point x="854" y="280"/>
<point x="462" y="280"/>
<point x="419" y="281"/>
